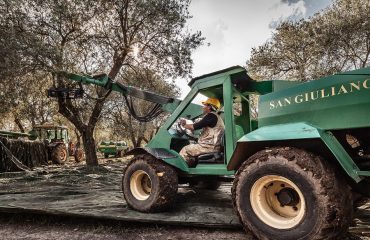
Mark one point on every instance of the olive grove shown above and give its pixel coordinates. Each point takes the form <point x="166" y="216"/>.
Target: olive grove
<point x="41" y="39"/>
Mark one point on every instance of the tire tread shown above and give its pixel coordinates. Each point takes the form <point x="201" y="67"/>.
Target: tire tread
<point x="337" y="219"/>
<point x="168" y="183"/>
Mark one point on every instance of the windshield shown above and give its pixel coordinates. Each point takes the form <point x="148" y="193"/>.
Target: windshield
<point x="46" y="133"/>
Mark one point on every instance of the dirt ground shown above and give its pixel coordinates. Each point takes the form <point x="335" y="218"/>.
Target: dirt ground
<point x="41" y="227"/>
<point x="32" y="227"/>
<point x="20" y="225"/>
<point x="45" y="227"/>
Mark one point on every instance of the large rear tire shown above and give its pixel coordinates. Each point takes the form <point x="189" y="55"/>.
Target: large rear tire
<point x="288" y="193"/>
<point x="148" y="184"/>
<point x="59" y="154"/>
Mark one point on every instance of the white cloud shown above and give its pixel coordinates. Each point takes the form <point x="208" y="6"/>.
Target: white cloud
<point x="287" y="10"/>
<point x="234" y="27"/>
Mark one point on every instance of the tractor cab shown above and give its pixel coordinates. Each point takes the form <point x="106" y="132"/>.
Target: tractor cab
<point x="51" y="133"/>
<point x="233" y="88"/>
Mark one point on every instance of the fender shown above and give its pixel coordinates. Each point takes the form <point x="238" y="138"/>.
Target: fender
<point x="54" y="144"/>
<point x="160" y="153"/>
<point x="268" y="136"/>
<point x="168" y="156"/>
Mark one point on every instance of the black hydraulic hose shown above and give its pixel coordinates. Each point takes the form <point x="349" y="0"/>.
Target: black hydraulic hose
<point x="90" y="97"/>
<point x="153" y="113"/>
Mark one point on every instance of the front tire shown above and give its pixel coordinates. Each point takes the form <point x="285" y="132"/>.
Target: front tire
<point x="148" y="184"/>
<point x="288" y="193"/>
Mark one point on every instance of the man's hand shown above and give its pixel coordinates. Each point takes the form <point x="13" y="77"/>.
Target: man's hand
<point x="185" y="125"/>
<point x="182" y="122"/>
<point x="189" y="126"/>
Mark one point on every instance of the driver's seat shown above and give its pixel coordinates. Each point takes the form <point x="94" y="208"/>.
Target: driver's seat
<point x="213" y="157"/>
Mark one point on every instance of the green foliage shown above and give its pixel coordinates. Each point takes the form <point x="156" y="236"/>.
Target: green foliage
<point x="337" y="39"/>
<point x="93" y="36"/>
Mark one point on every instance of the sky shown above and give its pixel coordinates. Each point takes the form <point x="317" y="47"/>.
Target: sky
<point x="233" y="27"/>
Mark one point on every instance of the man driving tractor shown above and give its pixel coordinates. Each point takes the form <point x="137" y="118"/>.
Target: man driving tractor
<point x="212" y="131"/>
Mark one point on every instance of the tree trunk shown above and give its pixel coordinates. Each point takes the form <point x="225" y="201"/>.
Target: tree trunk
<point x="19" y="124"/>
<point x="78" y="136"/>
<point x="87" y="131"/>
<point x="67" y="109"/>
<point x="117" y="65"/>
<point x="89" y="146"/>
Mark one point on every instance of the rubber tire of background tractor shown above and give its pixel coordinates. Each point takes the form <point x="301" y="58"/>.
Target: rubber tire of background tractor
<point x="119" y="154"/>
<point x="79" y="155"/>
<point x="57" y="153"/>
<point x="327" y="201"/>
<point x="163" y="184"/>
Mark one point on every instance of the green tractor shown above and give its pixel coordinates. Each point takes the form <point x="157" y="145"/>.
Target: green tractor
<point x="113" y="148"/>
<point x="299" y="168"/>
<point x="57" y="140"/>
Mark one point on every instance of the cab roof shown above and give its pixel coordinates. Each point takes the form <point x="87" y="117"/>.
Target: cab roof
<point x="49" y="126"/>
<point x="238" y="75"/>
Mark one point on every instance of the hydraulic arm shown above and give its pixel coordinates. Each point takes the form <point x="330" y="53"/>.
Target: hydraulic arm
<point x="161" y="103"/>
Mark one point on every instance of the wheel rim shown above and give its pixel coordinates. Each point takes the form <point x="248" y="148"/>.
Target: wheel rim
<point x="62" y="155"/>
<point x="277" y="202"/>
<point x="140" y="185"/>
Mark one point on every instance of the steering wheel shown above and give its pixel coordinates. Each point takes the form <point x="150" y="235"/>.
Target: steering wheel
<point x="180" y="130"/>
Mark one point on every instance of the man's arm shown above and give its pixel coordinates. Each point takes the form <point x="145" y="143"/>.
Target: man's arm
<point x="210" y="120"/>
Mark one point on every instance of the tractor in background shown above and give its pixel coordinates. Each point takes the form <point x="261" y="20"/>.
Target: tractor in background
<point x="58" y="143"/>
<point x="113" y="148"/>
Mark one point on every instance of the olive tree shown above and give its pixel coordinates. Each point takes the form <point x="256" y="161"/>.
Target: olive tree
<point x="94" y="36"/>
<point x="336" y="39"/>
<point x="23" y="85"/>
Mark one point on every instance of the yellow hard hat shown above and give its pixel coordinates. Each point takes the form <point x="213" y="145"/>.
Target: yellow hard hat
<point x="213" y="101"/>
